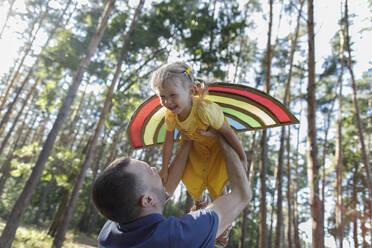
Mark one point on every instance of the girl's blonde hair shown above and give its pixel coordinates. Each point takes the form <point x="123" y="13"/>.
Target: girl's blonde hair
<point x="181" y="71"/>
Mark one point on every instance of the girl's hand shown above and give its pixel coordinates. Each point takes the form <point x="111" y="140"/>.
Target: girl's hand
<point x="163" y="175"/>
<point x="210" y="132"/>
<point x="184" y="136"/>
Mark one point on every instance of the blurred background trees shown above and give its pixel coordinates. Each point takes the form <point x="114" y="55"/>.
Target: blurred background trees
<point x="84" y="66"/>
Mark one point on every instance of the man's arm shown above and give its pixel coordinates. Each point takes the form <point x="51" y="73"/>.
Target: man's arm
<point x="229" y="206"/>
<point x="177" y="167"/>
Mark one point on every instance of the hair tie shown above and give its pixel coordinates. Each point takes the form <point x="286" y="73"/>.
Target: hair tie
<point x="188" y="69"/>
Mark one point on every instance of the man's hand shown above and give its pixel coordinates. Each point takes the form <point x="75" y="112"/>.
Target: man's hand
<point x="229" y="206"/>
<point x="211" y="132"/>
<point x="245" y="164"/>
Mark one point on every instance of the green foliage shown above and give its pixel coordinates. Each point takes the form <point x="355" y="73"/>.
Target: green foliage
<point x="173" y="209"/>
<point x="66" y="53"/>
<point x="28" y="236"/>
<point x="66" y="164"/>
<point x="22" y="164"/>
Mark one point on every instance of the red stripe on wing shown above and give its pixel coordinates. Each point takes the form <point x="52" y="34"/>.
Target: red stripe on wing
<point x="276" y="110"/>
<point x="140" y="117"/>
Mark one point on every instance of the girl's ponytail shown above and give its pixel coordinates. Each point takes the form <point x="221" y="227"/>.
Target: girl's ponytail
<point x="201" y="88"/>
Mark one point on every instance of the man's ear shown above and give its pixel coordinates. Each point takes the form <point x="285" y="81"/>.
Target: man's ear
<point x="146" y="201"/>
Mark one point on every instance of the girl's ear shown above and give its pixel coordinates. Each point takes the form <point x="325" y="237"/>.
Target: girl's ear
<point x="193" y="90"/>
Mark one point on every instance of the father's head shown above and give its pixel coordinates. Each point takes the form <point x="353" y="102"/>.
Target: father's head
<point x="127" y="190"/>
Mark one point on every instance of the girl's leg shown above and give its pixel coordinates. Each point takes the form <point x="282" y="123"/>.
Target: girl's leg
<point x="204" y="201"/>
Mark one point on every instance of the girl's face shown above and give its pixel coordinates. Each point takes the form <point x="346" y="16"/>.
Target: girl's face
<point x="176" y="97"/>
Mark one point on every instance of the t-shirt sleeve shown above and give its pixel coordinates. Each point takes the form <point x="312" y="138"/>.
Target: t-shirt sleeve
<point x="210" y="114"/>
<point x="170" y="121"/>
<point x="196" y="229"/>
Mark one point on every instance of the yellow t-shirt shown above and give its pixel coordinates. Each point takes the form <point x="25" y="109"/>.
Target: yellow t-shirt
<point x="206" y="166"/>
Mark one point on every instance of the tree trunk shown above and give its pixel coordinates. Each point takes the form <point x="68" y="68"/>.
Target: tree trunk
<point x="357" y="116"/>
<point x="10" y="131"/>
<point x="59" y="238"/>
<point x="19" y="207"/>
<point x="339" y="154"/>
<point x="6" y="116"/>
<point x="279" y="178"/>
<point x="29" y="74"/>
<point x="5" y="170"/>
<point x="30" y="127"/>
<point x="38" y="135"/>
<point x="263" y="143"/>
<point x="263" y="165"/>
<point x="289" y="192"/>
<point x="112" y="149"/>
<point x="251" y="161"/>
<point x="188" y="203"/>
<point x="316" y="210"/>
<point x="354" y="216"/>
<point x="287" y="94"/>
<point x="270" y="234"/>
<point x="295" y="190"/>
<point x="59" y="213"/>
<point x="72" y="124"/>
<point x="363" y="226"/>
<point x="243" y="228"/>
<point x="46" y="189"/>
<point x="26" y="53"/>
<point x="85" y="220"/>
<point x="18" y="69"/>
<point x="211" y="34"/>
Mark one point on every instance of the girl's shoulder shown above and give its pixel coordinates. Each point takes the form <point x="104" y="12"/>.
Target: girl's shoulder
<point x="210" y="113"/>
<point x="207" y="105"/>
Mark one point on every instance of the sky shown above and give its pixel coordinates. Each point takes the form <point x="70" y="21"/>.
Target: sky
<point x="326" y="16"/>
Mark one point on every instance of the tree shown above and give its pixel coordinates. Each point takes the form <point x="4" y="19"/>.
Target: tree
<point x="61" y="231"/>
<point x="263" y="142"/>
<point x="317" y="213"/>
<point x="19" y="207"/>
<point x="339" y="153"/>
<point x="39" y="18"/>
<point x="357" y="115"/>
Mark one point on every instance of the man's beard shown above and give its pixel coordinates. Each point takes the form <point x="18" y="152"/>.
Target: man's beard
<point x="163" y="197"/>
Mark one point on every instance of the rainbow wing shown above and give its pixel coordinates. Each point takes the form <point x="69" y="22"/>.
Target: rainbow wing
<point x="245" y="109"/>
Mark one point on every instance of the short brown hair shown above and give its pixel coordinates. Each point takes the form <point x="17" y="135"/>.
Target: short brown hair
<point x="116" y="192"/>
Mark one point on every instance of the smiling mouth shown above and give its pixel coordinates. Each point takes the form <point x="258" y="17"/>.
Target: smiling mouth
<point x="172" y="108"/>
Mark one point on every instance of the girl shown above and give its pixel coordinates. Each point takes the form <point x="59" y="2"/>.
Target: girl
<point x="191" y="115"/>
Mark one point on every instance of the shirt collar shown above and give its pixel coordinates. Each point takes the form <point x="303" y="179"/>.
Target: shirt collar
<point x="147" y="220"/>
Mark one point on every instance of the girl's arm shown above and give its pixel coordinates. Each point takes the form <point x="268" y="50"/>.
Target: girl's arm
<point x="167" y="153"/>
<point x="177" y="167"/>
<point x="234" y="141"/>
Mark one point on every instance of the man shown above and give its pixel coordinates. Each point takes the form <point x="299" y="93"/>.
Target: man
<point x="131" y="195"/>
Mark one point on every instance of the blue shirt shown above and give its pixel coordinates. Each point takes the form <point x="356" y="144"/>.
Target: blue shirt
<point x="195" y="229"/>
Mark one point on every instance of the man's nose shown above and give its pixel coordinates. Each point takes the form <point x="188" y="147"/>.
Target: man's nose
<point x="154" y="169"/>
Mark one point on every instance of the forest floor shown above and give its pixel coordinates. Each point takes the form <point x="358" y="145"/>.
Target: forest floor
<point x="32" y="237"/>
